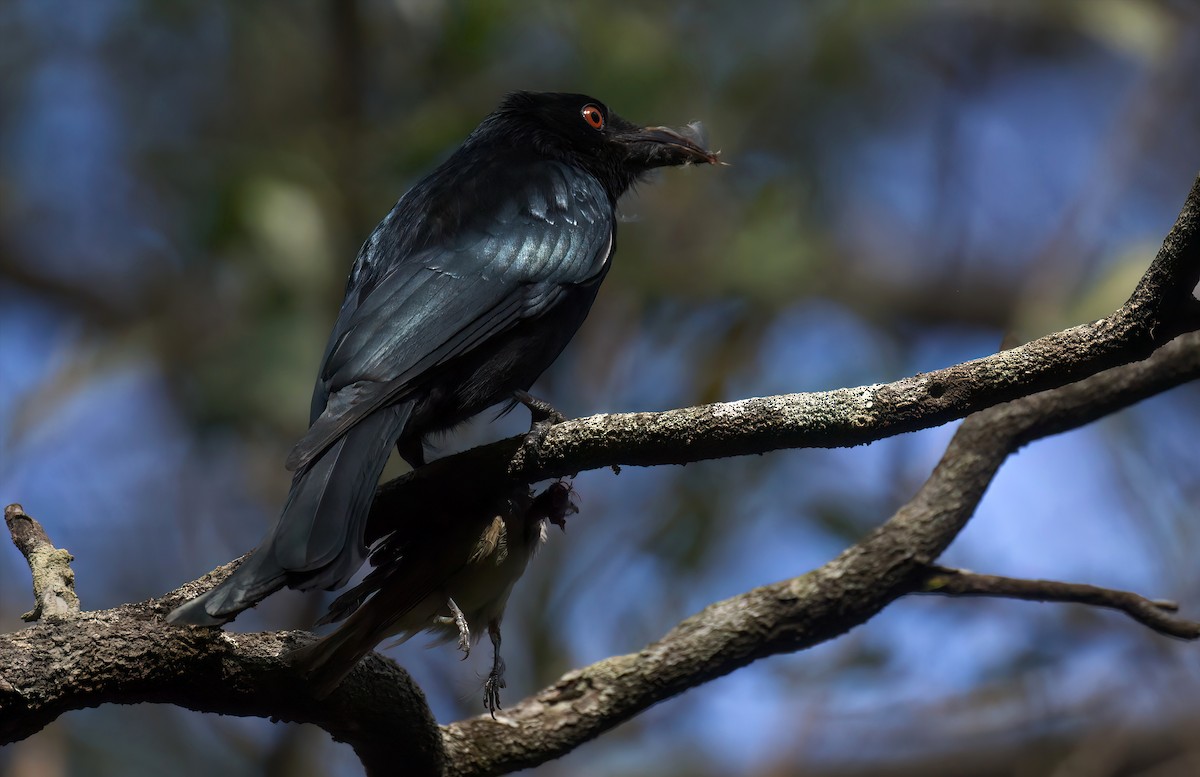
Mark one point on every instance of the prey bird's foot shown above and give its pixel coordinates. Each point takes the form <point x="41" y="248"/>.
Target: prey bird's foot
<point x="495" y="681"/>
<point x="464" y="631"/>
<point x="491" y="689"/>
<point x="542" y="417"/>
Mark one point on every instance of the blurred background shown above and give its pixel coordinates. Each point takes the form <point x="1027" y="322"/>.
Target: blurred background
<point x="185" y="185"/>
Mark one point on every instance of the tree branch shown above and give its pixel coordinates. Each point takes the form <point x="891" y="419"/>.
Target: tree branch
<point x="796" y="614"/>
<point x="1154" y="614"/>
<point x="127" y="655"/>
<point x="53" y="578"/>
<point x="1160" y="308"/>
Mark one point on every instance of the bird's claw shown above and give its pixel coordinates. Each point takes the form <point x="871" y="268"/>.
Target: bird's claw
<point x="539" y="409"/>
<point x="491" y="691"/>
<point x="534" y="439"/>
<point x="542" y="417"/>
<point x="495" y="681"/>
<point x="464" y="631"/>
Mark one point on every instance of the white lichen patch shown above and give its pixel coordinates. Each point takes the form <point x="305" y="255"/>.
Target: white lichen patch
<point x="734" y="408"/>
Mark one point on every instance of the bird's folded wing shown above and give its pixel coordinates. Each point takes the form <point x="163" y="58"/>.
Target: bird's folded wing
<point x="442" y="302"/>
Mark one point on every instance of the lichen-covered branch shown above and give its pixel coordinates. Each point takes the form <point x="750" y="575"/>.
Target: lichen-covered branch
<point x="796" y="614"/>
<point x="129" y="655"/>
<point x="1161" y="307"/>
<point x="50" y="567"/>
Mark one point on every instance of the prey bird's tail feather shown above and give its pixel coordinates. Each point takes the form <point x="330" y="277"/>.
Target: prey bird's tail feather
<point x="318" y="540"/>
<point x="326" y="662"/>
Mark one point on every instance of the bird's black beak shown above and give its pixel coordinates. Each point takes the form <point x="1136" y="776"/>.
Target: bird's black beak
<point x="666" y="147"/>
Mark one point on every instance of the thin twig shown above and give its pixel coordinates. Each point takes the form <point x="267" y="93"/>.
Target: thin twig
<point x="1153" y="613"/>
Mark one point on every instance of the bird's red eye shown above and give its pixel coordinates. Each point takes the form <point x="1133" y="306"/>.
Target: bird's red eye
<point x="593" y="116"/>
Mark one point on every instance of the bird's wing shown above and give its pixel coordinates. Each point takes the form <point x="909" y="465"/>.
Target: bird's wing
<point x="413" y="565"/>
<point x="408" y="315"/>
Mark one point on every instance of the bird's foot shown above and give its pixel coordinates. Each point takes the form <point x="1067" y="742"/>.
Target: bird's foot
<point x="492" y="686"/>
<point x="495" y="681"/>
<point x="539" y="409"/>
<point x="542" y="416"/>
<point x="464" y="631"/>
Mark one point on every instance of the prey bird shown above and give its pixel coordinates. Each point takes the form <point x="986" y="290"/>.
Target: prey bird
<point x="460" y="298"/>
<point x="450" y="577"/>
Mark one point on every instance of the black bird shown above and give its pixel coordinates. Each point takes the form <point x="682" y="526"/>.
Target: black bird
<point x="466" y="291"/>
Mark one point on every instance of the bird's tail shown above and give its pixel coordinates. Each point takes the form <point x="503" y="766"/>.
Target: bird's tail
<point x="318" y="540"/>
<point x="327" y="661"/>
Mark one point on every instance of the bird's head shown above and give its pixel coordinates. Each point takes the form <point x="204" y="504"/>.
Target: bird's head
<point x="582" y="131"/>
